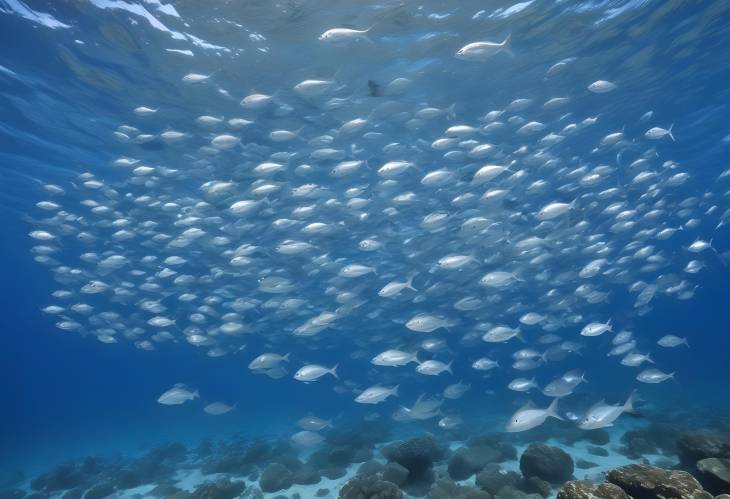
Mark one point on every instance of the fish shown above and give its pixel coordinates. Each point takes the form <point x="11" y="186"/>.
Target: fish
<point x="306" y="439"/>
<point x="481" y="51"/>
<point x="601" y="415"/>
<point x="177" y="395"/>
<point x="528" y="417"/>
<point x="313" y="423"/>
<point x="218" y="408"/>
<point x="376" y="394"/>
<point x="312" y="372"/>
<point x="426" y="323"/>
<point x="268" y="361"/>
<point x="672" y="341"/>
<point x="395" y="358"/>
<point x="653" y="376"/>
<point x="434" y="367"/>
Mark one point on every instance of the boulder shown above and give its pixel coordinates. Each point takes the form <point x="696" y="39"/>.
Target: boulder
<point x="369" y="487"/>
<point x="492" y="478"/>
<point x="468" y="461"/>
<point x="582" y="464"/>
<point x="597" y="451"/>
<point x="642" y="481"/>
<point x="693" y="446"/>
<point x="715" y="474"/>
<point x="306" y="475"/>
<point x="583" y="489"/>
<point x="395" y="473"/>
<point x="275" y="477"/>
<point x="322" y="493"/>
<point x="99" y="491"/>
<point x="333" y="472"/>
<point x="220" y="489"/>
<point x="536" y="485"/>
<point x="446" y="489"/>
<point x="549" y="463"/>
<point x="369" y="468"/>
<point x="417" y="454"/>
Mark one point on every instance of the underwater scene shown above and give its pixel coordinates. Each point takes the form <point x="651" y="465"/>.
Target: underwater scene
<point x="365" y="249"/>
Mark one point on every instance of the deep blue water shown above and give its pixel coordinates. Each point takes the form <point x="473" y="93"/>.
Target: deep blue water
<point x="65" y="396"/>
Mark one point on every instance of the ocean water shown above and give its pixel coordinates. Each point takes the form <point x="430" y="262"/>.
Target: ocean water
<point x="73" y="73"/>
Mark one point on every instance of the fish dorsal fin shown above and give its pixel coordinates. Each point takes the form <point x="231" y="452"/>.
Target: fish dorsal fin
<point x="528" y="405"/>
<point x="597" y="404"/>
<point x="180" y="385"/>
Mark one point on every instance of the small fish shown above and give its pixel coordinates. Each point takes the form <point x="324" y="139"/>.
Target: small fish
<point x="653" y="375"/>
<point x="178" y="394"/>
<point x="376" y="394"/>
<point x="313" y="372"/>
<point x="672" y="341"/>
<point x="602" y="415"/>
<point x="528" y="417"/>
<point x="481" y="51"/>
<point x="218" y="408"/>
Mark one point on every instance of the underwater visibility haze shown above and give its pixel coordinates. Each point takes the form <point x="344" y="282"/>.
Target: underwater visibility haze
<point x="361" y="249"/>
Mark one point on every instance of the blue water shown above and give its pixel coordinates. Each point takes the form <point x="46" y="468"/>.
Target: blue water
<point x="65" y="396"/>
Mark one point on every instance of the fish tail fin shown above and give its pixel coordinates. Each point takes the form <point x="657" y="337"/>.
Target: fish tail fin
<point x="196" y="394"/>
<point x="686" y="342"/>
<point x="394" y="391"/>
<point x="520" y="336"/>
<point x="629" y="404"/>
<point x="409" y="282"/>
<point x="333" y="371"/>
<point x="285" y="358"/>
<point x="583" y="378"/>
<point x="507" y="45"/>
<point x="649" y="359"/>
<point x="552" y="410"/>
<point x="415" y="358"/>
<point x="670" y="133"/>
<point x="451" y="111"/>
<point x="448" y="367"/>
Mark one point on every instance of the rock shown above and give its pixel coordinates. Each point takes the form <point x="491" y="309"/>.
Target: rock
<point x="334" y="472"/>
<point x="583" y="489"/>
<point x="395" y="473"/>
<point x="536" y="485"/>
<point x="597" y="437"/>
<point x="99" y="491"/>
<point x="642" y="481"/>
<point x="468" y="461"/>
<point x="369" y="487"/>
<point x="275" y="477"/>
<point x="511" y="492"/>
<point x="715" y="474"/>
<point x="417" y="456"/>
<point x="306" y="475"/>
<point x="369" y="468"/>
<point x="652" y="439"/>
<point x="74" y="494"/>
<point x="597" y="451"/>
<point x="693" y="446"/>
<point x="446" y="489"/>
<point x="220" y="489"/>
<point x="549" y="463"/>
<point x="492" y="478"/>
<point x="164" y="490"/>
<point x="64" y="476"/>
<point x="582" y="464"/>
<point x="253" y="493"/>
<point x="322" y="493"/>
<point x="507" y="451"/>
<point x="341" y="455"/>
